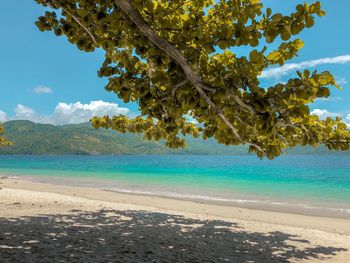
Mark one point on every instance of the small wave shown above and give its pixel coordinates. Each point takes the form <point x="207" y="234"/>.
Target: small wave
<point x="229" y="200"/>
<point x="183" y="196"/>
<point x="14" y="177"/>
<point x="10" y="177"/>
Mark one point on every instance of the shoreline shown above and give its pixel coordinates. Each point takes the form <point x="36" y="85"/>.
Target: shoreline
<point x="31" y="212"/>
<point x="246" y="201"/>
<point x="180" y="206"/>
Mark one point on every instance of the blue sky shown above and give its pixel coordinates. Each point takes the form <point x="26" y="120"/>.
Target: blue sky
<point x="41" y="73"/>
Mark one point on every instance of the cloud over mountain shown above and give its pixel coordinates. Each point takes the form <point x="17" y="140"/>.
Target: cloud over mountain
<point x="347" y="120"/>
<point x="3" y="116"/>
<point x="77" y="112"/>
<point x="67" y="113"/>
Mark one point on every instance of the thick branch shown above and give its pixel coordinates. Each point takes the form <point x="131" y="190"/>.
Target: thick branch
<point x="174" y="53"/>
<point x="207" y="87"/>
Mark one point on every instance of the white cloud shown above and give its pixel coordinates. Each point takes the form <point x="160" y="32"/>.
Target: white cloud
<point x="42" y="90"/>
<point x="329" y="99"/>
<point x="342" y="81"/>
<point x="347" y="120"/>
<point x="323" y="113"/>
<point x="24" y="113"/>
<point x="78" y="112"/>
<point x="69" y="113"/>
<point x="3" y="116"/>
<point x="285" y="69"/>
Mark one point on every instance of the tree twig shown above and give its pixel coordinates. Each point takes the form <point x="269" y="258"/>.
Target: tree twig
<point x="84" y="27"/>
<point x="178" y="85"/>
<point x="243" y="105"/>
<point x="50" y="5"/>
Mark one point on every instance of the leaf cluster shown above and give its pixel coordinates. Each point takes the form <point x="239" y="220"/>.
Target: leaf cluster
<point x="3" y="140"/>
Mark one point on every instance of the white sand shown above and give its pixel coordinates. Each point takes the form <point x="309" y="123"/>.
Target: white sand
<point x="51" y="223"/>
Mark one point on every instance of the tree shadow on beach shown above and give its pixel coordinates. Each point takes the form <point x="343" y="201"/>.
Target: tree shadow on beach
<point x="141" y="236"/>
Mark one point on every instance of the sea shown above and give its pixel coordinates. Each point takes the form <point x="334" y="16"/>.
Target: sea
<point x="316" y="185"/>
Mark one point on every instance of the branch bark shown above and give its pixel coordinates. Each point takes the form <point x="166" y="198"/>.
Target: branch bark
<point x="150" y="69"/>
<point x="174" y="53"/>
<point x="178" y="85"/>
<point x="243" y="105"/>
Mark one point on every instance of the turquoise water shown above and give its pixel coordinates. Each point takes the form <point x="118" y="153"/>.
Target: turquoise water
<point x="308" y="181"/>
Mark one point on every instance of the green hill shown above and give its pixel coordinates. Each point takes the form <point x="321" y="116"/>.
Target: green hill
<point x="33" y="138"/>
<point x="45" y="139"/>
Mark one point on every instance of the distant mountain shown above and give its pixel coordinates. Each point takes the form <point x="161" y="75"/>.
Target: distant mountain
<point x="45" y="139"/>
<point x="33" y="138"/>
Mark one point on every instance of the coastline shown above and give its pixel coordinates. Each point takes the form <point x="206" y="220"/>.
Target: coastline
<point x="199" y="196"/>
<point x="23" y="198"/>
<point x="179" y="205"/>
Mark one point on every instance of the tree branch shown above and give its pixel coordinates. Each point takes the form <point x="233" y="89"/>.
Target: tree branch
<point x="178" y="85"/>
<point x="150" y="69"/>
<point x="84" y="27"/>
<point x="243" y="105"/>
<point x="49" y="4"/>
<point x="174" y="53"/>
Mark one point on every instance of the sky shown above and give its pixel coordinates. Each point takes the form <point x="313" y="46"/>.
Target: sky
<point x="46" y="79"/>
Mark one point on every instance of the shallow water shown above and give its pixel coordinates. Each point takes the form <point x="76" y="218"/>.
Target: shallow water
<point x="305" y="184"/>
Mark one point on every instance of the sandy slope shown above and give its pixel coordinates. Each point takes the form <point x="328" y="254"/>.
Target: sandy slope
<point x="50" y="223"/>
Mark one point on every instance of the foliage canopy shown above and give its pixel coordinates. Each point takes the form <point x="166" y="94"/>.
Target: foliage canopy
<point x="176" y="59"/>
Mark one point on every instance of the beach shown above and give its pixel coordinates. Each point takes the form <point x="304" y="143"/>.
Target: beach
<point x="42" y="222"/>
<point x="221" y="133"/>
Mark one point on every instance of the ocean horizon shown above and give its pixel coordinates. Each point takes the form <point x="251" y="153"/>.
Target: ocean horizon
<point x="305" y="184"/>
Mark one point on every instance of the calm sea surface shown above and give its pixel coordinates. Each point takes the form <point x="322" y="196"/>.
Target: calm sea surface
<point x="306" y="184"/>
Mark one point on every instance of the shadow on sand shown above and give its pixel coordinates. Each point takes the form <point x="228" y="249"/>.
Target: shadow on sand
<point x="140" y="236"/>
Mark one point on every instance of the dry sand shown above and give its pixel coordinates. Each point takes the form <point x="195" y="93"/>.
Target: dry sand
<point x="54" y="223"/>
